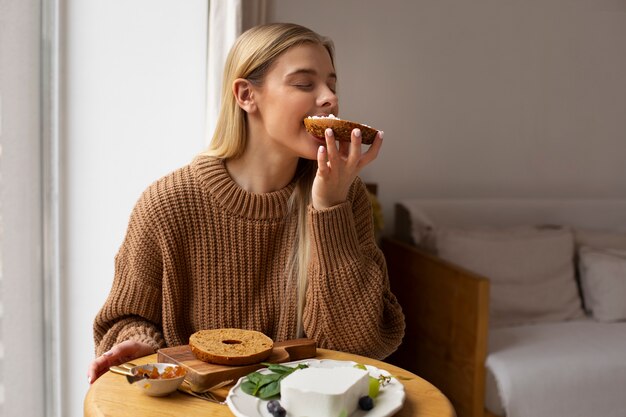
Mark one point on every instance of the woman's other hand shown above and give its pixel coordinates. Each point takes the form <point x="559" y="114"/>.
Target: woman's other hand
<point x="338" y="166"/>
<point x="117" y="355"/>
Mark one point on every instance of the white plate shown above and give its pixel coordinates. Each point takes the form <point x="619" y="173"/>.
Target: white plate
<point x="389" y="399"/>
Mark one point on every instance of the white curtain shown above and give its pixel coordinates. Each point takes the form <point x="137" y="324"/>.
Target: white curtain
<point x="227" y="18"/>
<point x="23" y="373"/>
<point x="224" y="26"/>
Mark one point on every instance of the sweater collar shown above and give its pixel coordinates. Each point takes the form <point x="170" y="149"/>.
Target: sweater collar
<point x="214" y="178"/>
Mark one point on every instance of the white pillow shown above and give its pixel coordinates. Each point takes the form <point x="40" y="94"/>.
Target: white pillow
<point x="531" y="271"/>
<point x="603" y="281"/>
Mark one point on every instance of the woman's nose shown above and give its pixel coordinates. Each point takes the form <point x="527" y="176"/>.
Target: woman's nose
<point x="328" y="98"/>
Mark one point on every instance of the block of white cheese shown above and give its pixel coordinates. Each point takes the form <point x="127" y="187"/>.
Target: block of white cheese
<point x="323" y="392"/>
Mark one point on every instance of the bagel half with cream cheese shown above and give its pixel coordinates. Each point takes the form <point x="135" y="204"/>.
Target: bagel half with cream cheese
<point x="317" y="125"/>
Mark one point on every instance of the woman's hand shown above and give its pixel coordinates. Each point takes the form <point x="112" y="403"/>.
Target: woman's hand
<point x="337" y="167"/>
<point x="119" y="354"/>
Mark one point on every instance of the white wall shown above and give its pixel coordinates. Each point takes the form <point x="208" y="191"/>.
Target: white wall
<point x="134" y="77"/>
<point x="486" y="98"/>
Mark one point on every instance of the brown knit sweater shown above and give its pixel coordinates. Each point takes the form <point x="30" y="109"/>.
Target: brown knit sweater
<point x="200" y="253"/>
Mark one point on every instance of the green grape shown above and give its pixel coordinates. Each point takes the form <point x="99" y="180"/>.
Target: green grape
<point x="374" y="387"/>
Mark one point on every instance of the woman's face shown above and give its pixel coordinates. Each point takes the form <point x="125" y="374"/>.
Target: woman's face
<point x="300" y="83"/>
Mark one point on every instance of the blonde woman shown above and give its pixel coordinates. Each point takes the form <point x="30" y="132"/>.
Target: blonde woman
<point x="270" y="229"/>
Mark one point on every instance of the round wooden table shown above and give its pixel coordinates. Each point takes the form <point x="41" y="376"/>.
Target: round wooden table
<point x="111" y="395"/>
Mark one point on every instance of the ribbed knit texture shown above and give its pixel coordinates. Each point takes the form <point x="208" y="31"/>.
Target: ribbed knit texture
<point x="202" y="253"/>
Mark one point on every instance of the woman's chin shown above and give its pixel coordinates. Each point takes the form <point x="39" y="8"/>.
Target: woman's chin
<point x="311" y="156"/>
<point x="311" y="146"/>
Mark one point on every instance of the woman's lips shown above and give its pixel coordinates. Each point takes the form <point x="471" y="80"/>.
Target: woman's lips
<point x="322" y="141"/>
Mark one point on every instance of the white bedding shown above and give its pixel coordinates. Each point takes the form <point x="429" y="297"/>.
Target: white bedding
<point x="571" y="369"/>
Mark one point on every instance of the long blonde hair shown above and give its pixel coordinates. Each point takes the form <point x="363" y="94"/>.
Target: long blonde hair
<point x="251" y="57"/>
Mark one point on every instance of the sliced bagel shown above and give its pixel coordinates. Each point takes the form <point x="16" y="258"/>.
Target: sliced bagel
<point x="231" y="346"/>
<point x="317" y="125"/>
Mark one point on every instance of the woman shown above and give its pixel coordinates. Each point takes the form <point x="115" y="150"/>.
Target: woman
<point x="270" y="229"/>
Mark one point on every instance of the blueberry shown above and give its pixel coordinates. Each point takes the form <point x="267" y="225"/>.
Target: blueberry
<point x="366" y="403"/>
<point x="279" y="412"/>
<point x="272" y="406"/>
<point x="276" y="409"/>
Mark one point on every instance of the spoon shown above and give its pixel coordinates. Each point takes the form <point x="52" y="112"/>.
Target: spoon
<point x="129" y="370"/>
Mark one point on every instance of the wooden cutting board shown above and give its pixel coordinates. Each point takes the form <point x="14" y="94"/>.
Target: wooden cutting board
<point x="203" y="375"/>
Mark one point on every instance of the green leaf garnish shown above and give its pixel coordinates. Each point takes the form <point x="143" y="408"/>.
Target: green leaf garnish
<point x="267" y="384"/>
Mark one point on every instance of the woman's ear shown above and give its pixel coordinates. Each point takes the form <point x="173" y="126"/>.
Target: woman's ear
<point x="244" y="94"/>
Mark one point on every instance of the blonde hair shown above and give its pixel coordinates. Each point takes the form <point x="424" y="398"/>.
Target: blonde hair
<point x="251" y="57"/>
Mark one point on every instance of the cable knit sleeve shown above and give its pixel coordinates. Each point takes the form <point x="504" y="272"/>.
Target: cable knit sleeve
<point x="349" y="304"/>
<point x="132" y="310"/>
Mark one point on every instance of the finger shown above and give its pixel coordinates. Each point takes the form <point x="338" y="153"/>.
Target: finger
<point x="322" y="161"/>
<point x="129" y="350"/>
<point x="355" y="147"/>
<point x="93" y="372"/>
<point x="98" y="366"/>
<point x="119" y="352"/>
<point x="117" y="355"/>
<point x="331" y="145"/>
<point x="372" y="152"/>
<point x="98" y="372"/>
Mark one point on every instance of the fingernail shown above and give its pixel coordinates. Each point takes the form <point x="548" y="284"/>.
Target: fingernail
<point x="107" y="353"/>
<point x="322" y="149"/>
<point x="89" y="378"/>
<point x="329" y="132"/>
<point x="357" y="133"/>
<point x="381" y="133"/>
